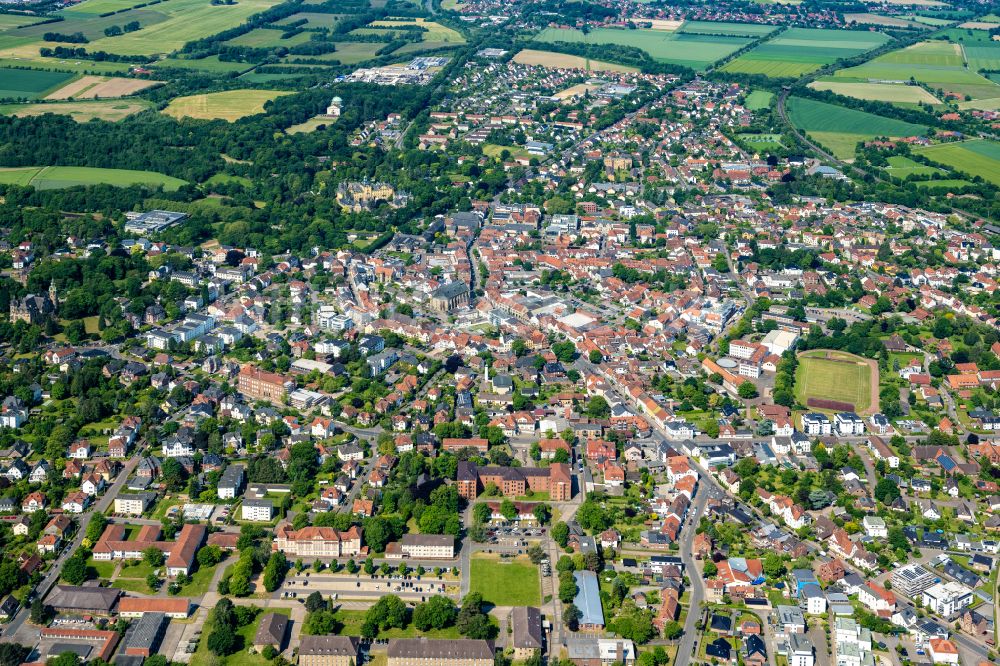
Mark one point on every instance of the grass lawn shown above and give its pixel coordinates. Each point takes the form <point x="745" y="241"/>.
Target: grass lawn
<point x="244" y="641"/>
<point x="137" y="570"/>
<point x="132" y="585"/>
<point x="102" y="569"/>
<point x="842" y="377"/>
<point x="759" y="99"/>
<point x="505" y="582"/>
<point x="351" y="621"/>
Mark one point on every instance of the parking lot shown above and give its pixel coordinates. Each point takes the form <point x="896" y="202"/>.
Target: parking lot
<point x="363" y="586"/>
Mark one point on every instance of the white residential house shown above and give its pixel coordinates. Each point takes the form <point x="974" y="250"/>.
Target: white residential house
<point x="800" y="650"/>
<point x="257" y="510"/>
<point x="80" y="450"/>
<point x="816" y="424"/>
<point x="849" y="424"/>
<point x="875" y="527"/>
<point x="947" y="599"/>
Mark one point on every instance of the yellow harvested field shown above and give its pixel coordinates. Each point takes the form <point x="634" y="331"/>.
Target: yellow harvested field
<point x="884" y="92"/>
<point x="576" y="91"/>
<point x="565" y="61"/>
<point x="660" y="24"/>
<point x="111" y="110"/>
<point x="979" y="25"/>
<point x="311" y="125"/>
<point x="229" y="105"/>
<point x="97" y="87"/>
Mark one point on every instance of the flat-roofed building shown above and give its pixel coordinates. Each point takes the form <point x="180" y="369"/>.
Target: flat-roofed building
<point x="328" y="651"/>
<point x="172" y="607"/>
<point x="911" y="580"/>
<point x="451" y="652"/>
<point x="143" y="638"/>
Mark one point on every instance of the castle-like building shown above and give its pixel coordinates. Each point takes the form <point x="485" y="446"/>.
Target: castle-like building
<point x="364" y="195"/>
<point x="35" y="308"/>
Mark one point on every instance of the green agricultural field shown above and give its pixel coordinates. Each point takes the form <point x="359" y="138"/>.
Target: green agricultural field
<point x="111" y="110"/>
<point x="723" y="28"/>
<point x="313" y="20"/>
<point x="229" y="105"/>
<point x="434" y="32"/>
<point x="57" y="177"/>
<point x="896" y="93"/>
<point x="983" y="56"/>
<point x="834" y="375"/>
<point x="825" y="121"/>
<point x="936" y="64"/>
<point x="943" y="184"/>
<point x="266" y="38"/>
<point x="74" y="66"/>
<point x="16" y="20"/>
<point x="350" y="53"/>
<point x="978" y="157"/>
<point x="798" y="51"/>
<point x="93" y="26"/>
<point x="210" y="64"/>
<point x="97" y="7"/>
<point x="505" y="582"/>
<point x="29" y="83"/>
<point x="759" y="99"/>
<point x="904" y="167"/>
<point x="416" y="48"/>
<point x="182" y="21"/>
<point x="689" y="50"/>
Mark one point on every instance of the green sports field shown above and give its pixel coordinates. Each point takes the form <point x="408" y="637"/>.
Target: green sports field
<point x="978" y="157"/>
<point x="679" y="48"/>
<point x="834" y="375"/>
<point x="29" y="83"/>
<point x="904" y="167"/>
<point x="839" y="128"/>
<point x="761" y="142"/>
<point x="798" y="51"/>
<point x="56" y="177"/>
<point x="505" y="582"/>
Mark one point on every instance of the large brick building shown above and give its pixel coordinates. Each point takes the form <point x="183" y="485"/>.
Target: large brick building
<point x="317" y="541"/>
<point x="257" y="384"/>
<point x="516" y="481"/>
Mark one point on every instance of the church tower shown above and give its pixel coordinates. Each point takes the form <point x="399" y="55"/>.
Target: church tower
<point x="53" y="295"/>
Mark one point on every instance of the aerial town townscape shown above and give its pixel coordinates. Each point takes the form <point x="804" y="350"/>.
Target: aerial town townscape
<point x="499" y="332"/>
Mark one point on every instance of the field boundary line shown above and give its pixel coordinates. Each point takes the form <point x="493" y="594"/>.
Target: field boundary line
<point x="38" y="174"/>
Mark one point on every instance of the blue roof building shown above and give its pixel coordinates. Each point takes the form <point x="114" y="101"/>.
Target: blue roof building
<point x="588" y="600"/>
